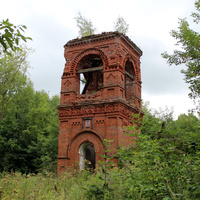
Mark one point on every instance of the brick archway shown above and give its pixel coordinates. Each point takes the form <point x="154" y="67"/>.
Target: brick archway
<point x="87" y="52"/>
<point x="85" y="137"/>
<point x="128" y="57"/>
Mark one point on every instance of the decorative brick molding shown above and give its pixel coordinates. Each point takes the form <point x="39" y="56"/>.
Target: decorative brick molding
<point x="93" y="109"/>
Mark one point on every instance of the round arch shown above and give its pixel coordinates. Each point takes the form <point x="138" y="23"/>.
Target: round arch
<point x="87" y="52"/>
<point x="79" y="145"/>
<point x="129" y="58"/>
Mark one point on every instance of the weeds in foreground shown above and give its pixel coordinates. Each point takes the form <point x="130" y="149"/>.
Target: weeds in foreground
<point x="45" y="186"/>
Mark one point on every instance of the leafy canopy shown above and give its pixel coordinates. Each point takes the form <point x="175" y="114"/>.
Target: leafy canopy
<point x="189" y="53"/>
<point x="10" y="36"/>
<point x="28" y="119"/>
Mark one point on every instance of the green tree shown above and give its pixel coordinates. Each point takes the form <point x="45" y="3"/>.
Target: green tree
<point x="187" y="128"/>
<point x="85" y="26"/>
<point x="13" y="71"/>
<point x="189" y="53"/>
<point x="43" y="118"/>
<point x="29" y="131"/>
<point x="164" y="162"/>
<point x="10" y="36"/>
<point x="29" y="119"/>
<point x="14" y="139"/>
<point x="120" y="25"/>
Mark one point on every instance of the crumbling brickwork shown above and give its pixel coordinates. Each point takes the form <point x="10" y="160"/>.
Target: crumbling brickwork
<point x="101" y="89"/>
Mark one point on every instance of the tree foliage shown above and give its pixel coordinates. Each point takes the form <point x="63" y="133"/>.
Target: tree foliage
<point x="163" y="163"/>
<point x="121" y="26"/>
<point x="189" y="53"/>
<point x="29" y="119"/>
<point x="11" y="36"/>
<point x="29" y="132"/>
<point x="85" y="26"/>
<point x="13" y="75"/>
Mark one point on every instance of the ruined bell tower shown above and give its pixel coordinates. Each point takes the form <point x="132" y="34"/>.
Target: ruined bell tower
<point x="101" y="89"/>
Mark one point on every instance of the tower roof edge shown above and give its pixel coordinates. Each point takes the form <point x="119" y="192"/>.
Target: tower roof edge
<point x="103" y="36"/>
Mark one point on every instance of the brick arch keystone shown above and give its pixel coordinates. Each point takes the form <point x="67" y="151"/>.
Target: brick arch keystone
<point x="86" y="53"/>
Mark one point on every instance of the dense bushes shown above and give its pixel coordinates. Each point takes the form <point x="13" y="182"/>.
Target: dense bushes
<point x="163" y="164"/>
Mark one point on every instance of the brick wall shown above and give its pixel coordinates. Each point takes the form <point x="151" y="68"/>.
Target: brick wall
<point x="110" y="64"/>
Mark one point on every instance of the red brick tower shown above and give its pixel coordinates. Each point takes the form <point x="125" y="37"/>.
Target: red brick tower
<point x="101" y="89"/>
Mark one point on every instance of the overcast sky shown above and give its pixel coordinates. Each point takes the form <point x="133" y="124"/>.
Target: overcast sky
<point x="51" y="24"/>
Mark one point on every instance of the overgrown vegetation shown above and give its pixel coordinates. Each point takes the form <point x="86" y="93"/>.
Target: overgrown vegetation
<point x="164" y="163"/>
<point x="86" y="28"/>
<point x="120" y="25"/>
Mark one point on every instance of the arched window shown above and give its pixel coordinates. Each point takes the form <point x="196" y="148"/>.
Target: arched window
<point x="90" y="72"/>
<point x="129" y="77"/>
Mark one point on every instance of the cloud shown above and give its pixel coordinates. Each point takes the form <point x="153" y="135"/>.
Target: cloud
<point x="157" y="76"/>
<point x="179" y="103"/>
<point x="48" y="61"/>
<point x="51" y="24"/>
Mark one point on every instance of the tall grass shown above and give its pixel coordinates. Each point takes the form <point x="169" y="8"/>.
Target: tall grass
<point x="129" y="182"/>
<point x="70" y="186"/>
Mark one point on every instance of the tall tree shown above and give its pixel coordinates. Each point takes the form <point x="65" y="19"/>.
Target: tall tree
<point x="13" y="69"/>
<point x="13" y="62"/>
<point x="85" y="26"/>
<point x="28" y="119"/>
<point x="120" y="25"/>
<point x="189" y="53"/>
<point x="29" y="131"/>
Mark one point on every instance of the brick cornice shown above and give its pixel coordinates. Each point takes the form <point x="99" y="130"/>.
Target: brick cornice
<point x="91" y="108"/>
<point x="101" y="37"/>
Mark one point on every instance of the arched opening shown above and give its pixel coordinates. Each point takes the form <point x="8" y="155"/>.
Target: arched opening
<point x="90" y="72"/>
<point x="129" y="78"/>
<point x="87" y="156"/>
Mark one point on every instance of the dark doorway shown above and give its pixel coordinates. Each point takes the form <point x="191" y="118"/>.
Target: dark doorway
<point x="87" y="156"/>
<point x="90" y="156"/>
